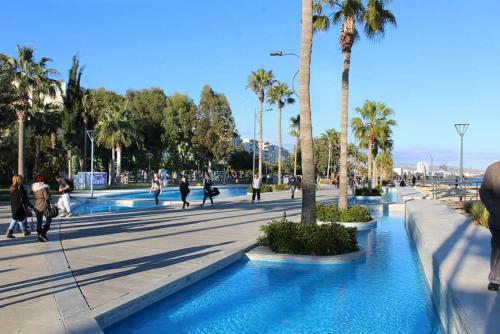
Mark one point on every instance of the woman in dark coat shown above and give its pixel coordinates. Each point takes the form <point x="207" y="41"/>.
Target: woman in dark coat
<point x="184" y="189"/>
<point x="18" y="204"/>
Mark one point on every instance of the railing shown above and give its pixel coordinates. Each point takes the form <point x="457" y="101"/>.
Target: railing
<point x="445" y="188"/>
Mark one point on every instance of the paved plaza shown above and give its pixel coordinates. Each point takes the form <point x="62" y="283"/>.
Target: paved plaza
<point x="117" y="256"/>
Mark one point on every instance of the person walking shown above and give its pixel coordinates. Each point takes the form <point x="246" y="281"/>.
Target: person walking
<point x="156" y="187"/>
<point x="65" y="187"/>
<point x="293" y="185"/>
<point x="256" y="183"/>
<point x="41" y="195"/>
<point x="490" y="196"/>
<point x="184" y="190"/>
<point x="207" y="189"/>
<point x="413" y="181"/>
<point x="19" y="205"/>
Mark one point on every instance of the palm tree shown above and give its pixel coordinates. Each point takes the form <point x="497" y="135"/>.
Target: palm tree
<point x="373" y="130"/>
<point x="32" y="83"/>
<point x="295" y="132"/>
<point x="116" y="130"/>
<point x="373" y="16"/>
<point x="259" y="82"/>
<point x="280" y="95"/>
<point x="331" y="136"/>
<point x="307" y="145"/>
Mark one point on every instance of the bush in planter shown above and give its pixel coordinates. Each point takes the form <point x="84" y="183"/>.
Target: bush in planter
<point x="280" y="187"/>
<point x="332" y="213"/>
<point x="477" y="212"/>
<point x="366" y="192"/>
<point x="287" y="237"/>
<point x="264" y="188"/>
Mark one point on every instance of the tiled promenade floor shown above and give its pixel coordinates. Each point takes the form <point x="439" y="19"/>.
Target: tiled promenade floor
<point x="116" y="255"/>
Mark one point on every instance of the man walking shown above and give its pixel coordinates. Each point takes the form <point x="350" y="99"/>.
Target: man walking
<point x="65" y="187"/>
<point x="256" y="183"/>
<point x="490" y="196"/>
<point x="207" y="189"/>
<point x="293" y="184"/>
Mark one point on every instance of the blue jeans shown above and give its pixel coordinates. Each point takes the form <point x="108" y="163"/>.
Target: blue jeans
<point x="39" y="221"/>
<point x="22" y="224"/>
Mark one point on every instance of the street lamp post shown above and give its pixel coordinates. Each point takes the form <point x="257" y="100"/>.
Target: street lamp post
<point x="461" y="129"/>
<point x="281" y="54"/>
<point x="254" y="129"/>
<point x="90" y="133"/>
<point x="149" y="155"/>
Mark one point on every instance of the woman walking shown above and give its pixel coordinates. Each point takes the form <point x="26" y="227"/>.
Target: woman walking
<point x="156" y="187"/>
<point x="207" y="189"/>
<point x="19" y="204"/>
<point x="42" y="202"/>
<point x="184" y="189"/>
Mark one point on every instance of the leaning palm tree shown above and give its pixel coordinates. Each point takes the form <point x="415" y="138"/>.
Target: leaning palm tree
<point x="331" y="137"/>
<point x="280" y="95"/>
<point x="116" y="130"/>
<point x="306" y="136"/>
<point x="373" y="17"/>
<point x="295" y="132"/>
<point x="32" y="81"/>
<point x="259" y="82"/>
<point x="373" y="130"/>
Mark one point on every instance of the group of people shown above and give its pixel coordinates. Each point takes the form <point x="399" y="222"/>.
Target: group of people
<point x="22" y="208"/>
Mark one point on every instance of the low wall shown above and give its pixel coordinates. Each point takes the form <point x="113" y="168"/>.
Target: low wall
<point x="454" y="253"/>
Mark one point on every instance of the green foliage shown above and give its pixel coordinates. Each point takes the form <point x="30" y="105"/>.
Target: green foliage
<point x="280" y="187"/>
<point x="73" y="107"/>
<point x="331" y="213"/>
<point x="308" y="239"/>
<point x="241" y="160"/>
<point x="378" y="191"/>
<point x="478" y="212"/>
<point x="264" y="188"/>
<point x="7" y="96"/>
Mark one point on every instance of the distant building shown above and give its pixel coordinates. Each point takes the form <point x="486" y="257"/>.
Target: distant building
<point x="249" y="144"/>
<point x="236" y="141"/>
<point x="270" y="152"/>
<point x="422" y="167"/>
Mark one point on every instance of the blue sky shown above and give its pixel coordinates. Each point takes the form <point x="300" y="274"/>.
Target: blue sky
<point x="438" y="67"/>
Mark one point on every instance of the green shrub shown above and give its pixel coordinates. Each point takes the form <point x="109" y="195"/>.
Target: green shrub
<point x="477" y="212"/>
<point x="264" y="188"/>
<point x="366" y="192"/>
<point x="331" y="213"/>
<point x="305" y="239"/>
<point x="280" y="187"/>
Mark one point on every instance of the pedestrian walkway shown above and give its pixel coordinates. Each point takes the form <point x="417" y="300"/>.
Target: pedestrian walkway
<point x="117" y="256"/>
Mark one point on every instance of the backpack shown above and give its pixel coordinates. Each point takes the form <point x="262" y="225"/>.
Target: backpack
<point x="70" y="184"/>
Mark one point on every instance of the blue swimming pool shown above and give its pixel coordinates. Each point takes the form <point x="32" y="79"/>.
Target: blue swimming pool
<point x="386" y="293"/>
<point x="144" y="200"/>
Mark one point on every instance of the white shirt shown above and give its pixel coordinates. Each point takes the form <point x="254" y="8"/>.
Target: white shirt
<point x="256" y="183"/>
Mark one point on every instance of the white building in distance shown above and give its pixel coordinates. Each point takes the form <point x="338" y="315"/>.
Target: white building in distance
<point x="422" y="167"/>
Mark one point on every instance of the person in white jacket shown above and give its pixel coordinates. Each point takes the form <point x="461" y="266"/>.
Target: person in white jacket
<point x="256" y="183"/>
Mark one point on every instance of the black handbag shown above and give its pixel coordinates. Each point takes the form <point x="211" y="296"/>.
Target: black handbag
<point x="51" y="211"/>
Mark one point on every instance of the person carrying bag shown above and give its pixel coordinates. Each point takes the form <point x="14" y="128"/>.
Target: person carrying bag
<point x="43" y="207"/>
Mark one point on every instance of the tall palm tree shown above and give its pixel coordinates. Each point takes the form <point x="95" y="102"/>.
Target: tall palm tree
<point x="32" y="81"/>
<point x="295" y="132"/>
<point x="373" y="130"/>
<point x="331" y="136"/>
<point x="259" y="82"/>
<point x="280" y="95"/>
<point x="116" y="130"/>
<point x="373" y="17"/>
<point x="307" y="145"/>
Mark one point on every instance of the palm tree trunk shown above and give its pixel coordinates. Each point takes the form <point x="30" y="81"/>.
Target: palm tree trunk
<point x="329" y="168"/>
<point x="375" y="172"/>
<point x="343" y="135"/>
<point x="279" y="145"/>
<point x="53" y="140"/>
<point x="69" y="164"/>
<point x="260" y="136"/>
<point x="37" y="156"/>
<point x="118" y="163"/>
<point x="112" y="167"/>
<point x="296" y="150"/>
<point x="20" y="155"/>
<point x="307" y="145"/>
<point x="370" y="165"/>
<point x="85" y="122"/>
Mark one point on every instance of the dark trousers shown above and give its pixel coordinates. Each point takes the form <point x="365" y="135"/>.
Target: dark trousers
<point x="292" y="188"/>
<point x="157" y="193"/>
<point x="205" y="195"/>
<point x="255" y="192"/>
<point x="184" y="201"/>
<point x="494" y="276"/>
<point x="39" y="221"/>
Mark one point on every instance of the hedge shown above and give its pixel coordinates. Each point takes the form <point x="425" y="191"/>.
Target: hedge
<point x="287" y="237"/>
<point x="332" y="213"/>
<point x="366" y="192"/>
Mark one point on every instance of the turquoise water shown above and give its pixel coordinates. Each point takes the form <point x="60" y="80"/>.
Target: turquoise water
<point x="144" y="200"/>
<point x="386" y="293"/>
